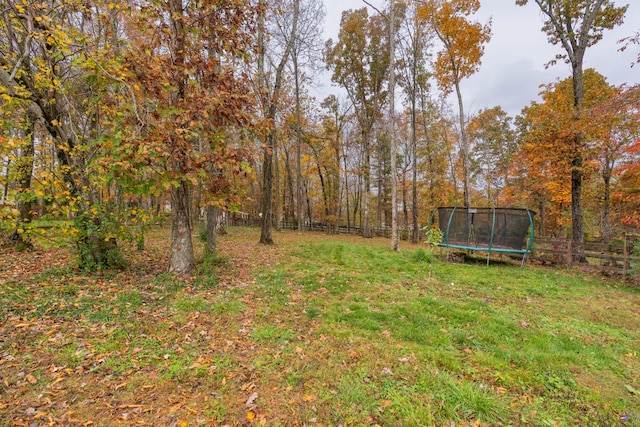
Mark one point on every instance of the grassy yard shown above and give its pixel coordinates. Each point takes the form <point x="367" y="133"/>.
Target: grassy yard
<point x="316" y="331"/>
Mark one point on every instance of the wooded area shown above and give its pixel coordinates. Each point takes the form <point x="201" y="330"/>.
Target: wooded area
<point x="115" y="114"/>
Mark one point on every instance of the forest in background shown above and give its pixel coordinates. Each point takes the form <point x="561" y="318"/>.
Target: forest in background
<point x="117" y="113"/>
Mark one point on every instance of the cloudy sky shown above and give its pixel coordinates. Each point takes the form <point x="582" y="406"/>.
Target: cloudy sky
<point x="513" y="64"/>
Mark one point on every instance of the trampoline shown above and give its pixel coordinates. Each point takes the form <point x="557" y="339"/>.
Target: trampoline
<point x="499" y="230"/>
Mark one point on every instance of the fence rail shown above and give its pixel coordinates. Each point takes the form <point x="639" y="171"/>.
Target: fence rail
<point x="622" y="257"/>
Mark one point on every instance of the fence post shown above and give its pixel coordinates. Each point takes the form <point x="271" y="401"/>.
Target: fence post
<point x="569" y="253"/>
<point x="625" y="256"/>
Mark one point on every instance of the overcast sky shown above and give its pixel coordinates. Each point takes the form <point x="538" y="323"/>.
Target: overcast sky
<point x="513" y="64"/>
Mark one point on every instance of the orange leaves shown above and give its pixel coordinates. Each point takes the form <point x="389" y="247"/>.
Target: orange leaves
<point x="462" y="40"/>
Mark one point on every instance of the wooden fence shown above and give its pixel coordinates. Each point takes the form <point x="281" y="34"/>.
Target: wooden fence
<point x="621" y="257"/>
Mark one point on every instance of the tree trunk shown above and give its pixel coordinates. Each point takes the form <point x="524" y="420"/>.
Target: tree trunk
<point x="576" y="199"/>
<point x="212" y="214"/>
<point x="464" y="149"/>
<point x="577" y="219"/>
<point x="606" y="228"/>
<point x="266" y="232"/>
<point x="290" y="212"/>
<point x="366" y="229"/>
<point x="395" y="239"/>
<point x="346" y="191"/>
<point x="299" y="142"/>
<point x="415" y="234"/>
<point x="277" y="205"/>
<point x="182" y="260"/>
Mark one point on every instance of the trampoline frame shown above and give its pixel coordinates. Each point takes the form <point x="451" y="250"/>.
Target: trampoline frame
<point x="489" y="248"/>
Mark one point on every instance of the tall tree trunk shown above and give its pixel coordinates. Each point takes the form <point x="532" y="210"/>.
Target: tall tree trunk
<point x="577" y="219"/>
<point x="181" y="259"/>
<point x="380" y="183"/>
<point x="464" y="149"/>
<point x="366" y="192"/>
<point x="278" y="197"/>
<point x="395" y="239"/>
<point x="415" y="233"/>
<point x="299" y="142"/>
<point x="405" y="203"/>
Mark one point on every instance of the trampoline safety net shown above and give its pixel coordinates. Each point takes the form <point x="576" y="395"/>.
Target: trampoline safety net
<point x="499" y="229"/>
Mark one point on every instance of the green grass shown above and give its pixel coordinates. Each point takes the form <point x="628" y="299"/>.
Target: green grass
<point x="332" y="330"/>
<point x="494" y="335"/>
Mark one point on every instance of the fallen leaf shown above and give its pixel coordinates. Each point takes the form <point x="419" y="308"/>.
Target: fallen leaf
<point x="251" y="415"/>
<point x="309" y="398"/>
<point x="31" y="379"/>
<point x="176" y="407"/>
<point x="251" y="400"/>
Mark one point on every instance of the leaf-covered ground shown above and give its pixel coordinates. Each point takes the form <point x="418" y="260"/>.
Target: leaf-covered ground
<point x="317" y="330"/>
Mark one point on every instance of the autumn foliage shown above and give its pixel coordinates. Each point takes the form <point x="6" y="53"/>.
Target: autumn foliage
<point x="118" y="115"/>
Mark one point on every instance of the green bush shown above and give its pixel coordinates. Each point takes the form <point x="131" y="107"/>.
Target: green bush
<point x="422" y="255"/>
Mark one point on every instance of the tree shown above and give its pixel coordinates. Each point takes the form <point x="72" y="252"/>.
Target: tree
<point x="359" y="60"/>
<point x="413" y="78"/>
<point x="627" y="194"/>
<point x="333" y="123"/>
<point x="576" y="25"/>
<point x="494" y="146"/>
<point x="393" y="149"/>
<point x="548" y="130"/>
<point x="462" y="49"/>
<point x="269" y="93"/>
<point x="183" y="63"/>
<point x="306" y="50"/>
<point x="56" y="65"/>
<point x="631" y="40"/>
<point x="614" y="133"/>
